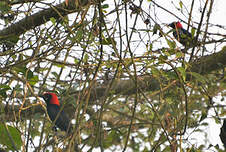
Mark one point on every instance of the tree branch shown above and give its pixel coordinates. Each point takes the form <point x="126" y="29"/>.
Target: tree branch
<point x="204" y="65"/>
<point x="38" y="19"/>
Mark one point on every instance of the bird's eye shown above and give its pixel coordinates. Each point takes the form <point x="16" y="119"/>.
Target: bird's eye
<point x="48" y="96"/>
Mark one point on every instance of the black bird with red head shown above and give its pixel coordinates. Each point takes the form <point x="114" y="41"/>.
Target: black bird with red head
<point x="182" y="35"/>
<point x="56" y="114"/>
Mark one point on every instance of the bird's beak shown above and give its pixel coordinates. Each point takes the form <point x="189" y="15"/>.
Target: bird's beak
<point x="171" y="25"/>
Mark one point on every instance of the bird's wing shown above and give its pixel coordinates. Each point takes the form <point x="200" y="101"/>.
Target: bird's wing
<point x="185" y="32"/>
<point x="62" y="121"/>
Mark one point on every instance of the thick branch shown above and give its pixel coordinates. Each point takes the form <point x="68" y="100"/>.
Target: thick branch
<point x="210" y="63"/>
<point x="38" y="19"/>
<point x="204" y="65"/>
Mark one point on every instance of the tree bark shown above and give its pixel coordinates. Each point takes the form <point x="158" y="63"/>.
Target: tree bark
<point x="39" y="18"/>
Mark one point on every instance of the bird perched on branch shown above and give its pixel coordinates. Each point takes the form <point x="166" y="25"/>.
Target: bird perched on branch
<point x="182" y="35"/>
<point x="56" y="114"/>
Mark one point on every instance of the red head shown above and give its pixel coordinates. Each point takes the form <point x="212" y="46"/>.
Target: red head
<point x="177" y="25"/>
<point x="50" y="98"/>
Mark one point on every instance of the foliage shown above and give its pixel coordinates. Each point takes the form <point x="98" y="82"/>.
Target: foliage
<point x="120" y="75"/>
<point x="9" y="133"/>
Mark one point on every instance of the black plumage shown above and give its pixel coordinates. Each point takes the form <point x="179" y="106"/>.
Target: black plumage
<point x="182" y="35"/>
<point x="56" y="114"/>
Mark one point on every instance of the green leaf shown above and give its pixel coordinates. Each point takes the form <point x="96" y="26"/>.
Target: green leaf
<point x="55" y="74"/>
<point x="26" y="72"/>
<point x="162" y="58"/>
<point x="105" y="6"/>
<point x="181" y="4"/>
<point x="7" y="141"/>
<point x="217" y="120"/>
<point x="150" y="47"/>
<point x="199" y="77"/>
<point x="156" y="28"/>
<point x="193" y="32"/>
<point x="179" y="54"/>
<point x="33" y="80"/>
<point x="66" y="20"/>
<point x="155" y="71"/>
<point x="107" y="41"/>
<point x="18" y="88"/>
<point x="29" y="74"/>
<point x="166" y="149"/>
<point x="79" y="34"/>
<point x="76" y="61"/>
<point x="171" y="75"/>
<point x="171" y="44"/>
<point x="86" y="57"/>
<point x="53" y="20"/>
<point x="203" y="115"/>
<point x="10" y="40"/>
<point x="14" y="57"/>
<point x="113" y="137"/>
<point x="182" y="72"/>
<point x="13" y="39"/>
<point x="170" y="52"/>
<point x="4" y="86"/>
<point x="3" y="89"/>
<point x="151" y="115"/>
<point x="20" y="69"/>
<point x="4" y="7"/>
<point x="59" y="65"/>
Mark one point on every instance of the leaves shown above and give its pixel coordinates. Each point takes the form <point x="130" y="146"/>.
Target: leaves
<point x="33" y="80"/>
<point x="108" y="41"/>
<point x="27" y="73"/>
<point x="156" y="28"/>
<point x="3" y="89"/>
<point x="24" y="71"/>
<point x="198" y="77"/>
<point x="79" y="34"/>
<point x="193" y="30"/>
<point x="104" y="6"/>
<point x="182" y="72"/>
<point x="4" y="7"/>
<point x="10" y="137"/>
<point x="53" y="20"/>
<point x="112" y="137"/>
<point x="10" y="41"/>
<point x="171" y="44"/>
<point x="181" y="4"/>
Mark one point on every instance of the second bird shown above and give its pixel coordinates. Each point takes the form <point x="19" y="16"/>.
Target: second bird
<point x="182" y="35"/>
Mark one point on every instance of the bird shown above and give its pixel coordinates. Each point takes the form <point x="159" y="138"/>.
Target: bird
<point x="53" y="108"/>
<point x="182" y="35"/>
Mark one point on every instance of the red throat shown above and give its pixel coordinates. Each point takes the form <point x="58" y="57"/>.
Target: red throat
<point x="54" y="99"/>
<point x="178" y="25"/>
